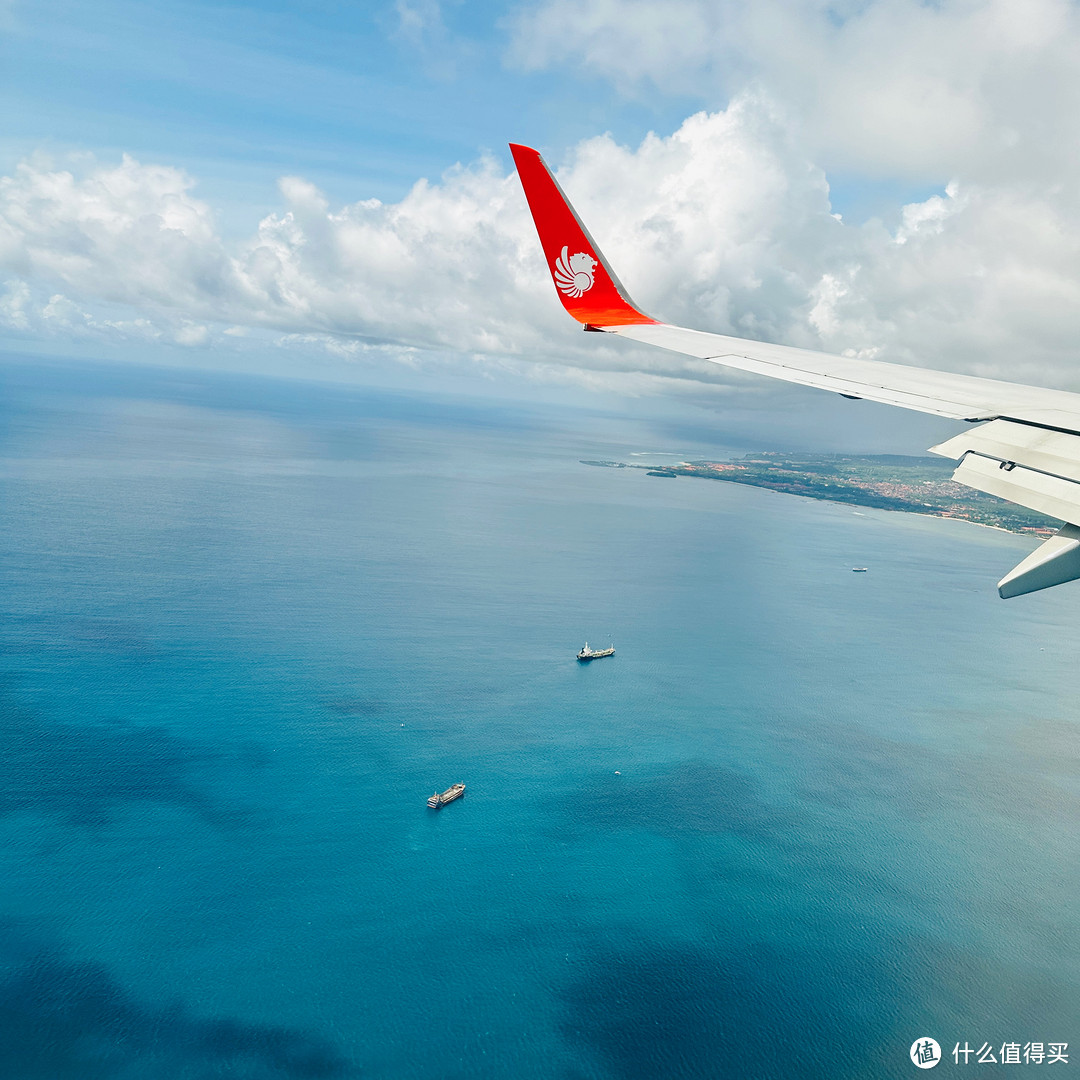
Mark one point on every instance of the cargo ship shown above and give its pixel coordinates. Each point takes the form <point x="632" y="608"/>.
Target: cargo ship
<point x="455" y="791"/>
<point x="594" y="654"/>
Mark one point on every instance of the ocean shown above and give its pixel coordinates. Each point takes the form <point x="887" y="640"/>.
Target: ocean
<point x="802" y="818"/>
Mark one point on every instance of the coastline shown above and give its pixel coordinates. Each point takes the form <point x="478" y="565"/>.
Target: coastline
<point x="899" y="484"/>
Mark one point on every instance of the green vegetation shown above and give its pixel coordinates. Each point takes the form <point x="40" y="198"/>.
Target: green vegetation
<point x="920" y="485"/>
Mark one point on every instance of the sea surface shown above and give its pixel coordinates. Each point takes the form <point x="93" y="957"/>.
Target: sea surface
<point x="801" y="819"/>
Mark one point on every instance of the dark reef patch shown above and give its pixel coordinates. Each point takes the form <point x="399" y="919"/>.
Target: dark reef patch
<point x="699" y="1015"/>
<point x="66" y="1019"/>
<point x="80" y="772"/>
<point x="827" y="1008"/>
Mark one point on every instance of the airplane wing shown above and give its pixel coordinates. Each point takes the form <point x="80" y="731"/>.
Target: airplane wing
<point x="1026" y="448"/>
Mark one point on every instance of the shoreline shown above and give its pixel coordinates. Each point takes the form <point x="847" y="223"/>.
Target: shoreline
<point x="894" y="483"/>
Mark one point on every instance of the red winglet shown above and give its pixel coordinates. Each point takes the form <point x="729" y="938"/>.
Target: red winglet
<point x="587" y="286"/>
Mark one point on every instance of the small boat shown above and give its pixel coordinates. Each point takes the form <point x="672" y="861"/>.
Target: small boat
<point x="455" y="791"/>
<point x="859" y="569"/>
<point x="594" y="654"/>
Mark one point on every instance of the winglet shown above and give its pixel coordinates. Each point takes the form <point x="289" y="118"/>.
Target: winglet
<point x="586" y="284"/>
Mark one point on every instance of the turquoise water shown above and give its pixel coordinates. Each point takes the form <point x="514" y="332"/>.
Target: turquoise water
<point x="802" y="818"/>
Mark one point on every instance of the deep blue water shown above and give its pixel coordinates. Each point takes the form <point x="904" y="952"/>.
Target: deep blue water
<point x="802" y="818"/>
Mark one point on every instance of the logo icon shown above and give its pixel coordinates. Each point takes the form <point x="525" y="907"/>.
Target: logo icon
<point x="574" y="274"/>
<point x="925" y="1052"/>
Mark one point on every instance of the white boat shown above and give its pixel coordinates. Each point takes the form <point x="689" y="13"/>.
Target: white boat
<point x="594" y="654"/>
<point x="455" y="791"/>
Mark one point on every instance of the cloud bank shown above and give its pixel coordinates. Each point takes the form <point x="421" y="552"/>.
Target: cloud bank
<point x="986" y="88"/>
<point x="725" y="224"/>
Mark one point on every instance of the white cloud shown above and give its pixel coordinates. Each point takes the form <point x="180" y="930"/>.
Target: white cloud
<point x="725" y="224"/>
<point x="131" y="234"/>
<point x="134" y="235"/>
<point x="14" y="304"/>
<point x="983" y="89"/>
<point x="421" y="26"/>
<point x="419" y="21"/>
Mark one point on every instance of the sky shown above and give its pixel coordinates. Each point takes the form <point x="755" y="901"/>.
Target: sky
<point x="325" y="190"/>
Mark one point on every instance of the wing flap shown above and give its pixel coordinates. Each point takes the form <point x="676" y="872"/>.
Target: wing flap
<point x="1027" y="465"/>
<point x="1054" y="452"/>
<point x="1033" y="467"/>
<point x="1050" y="495"/>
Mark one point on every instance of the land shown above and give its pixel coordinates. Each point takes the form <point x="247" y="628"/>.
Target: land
<point x="919" y="485"/>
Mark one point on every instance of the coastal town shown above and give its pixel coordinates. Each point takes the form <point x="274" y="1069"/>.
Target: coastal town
<point x="920" y="485"/>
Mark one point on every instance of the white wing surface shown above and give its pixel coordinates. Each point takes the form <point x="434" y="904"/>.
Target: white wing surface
<point x="1027" y="450"/>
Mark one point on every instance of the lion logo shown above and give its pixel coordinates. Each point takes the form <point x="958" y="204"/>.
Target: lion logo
<point x="574" y="274"/>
